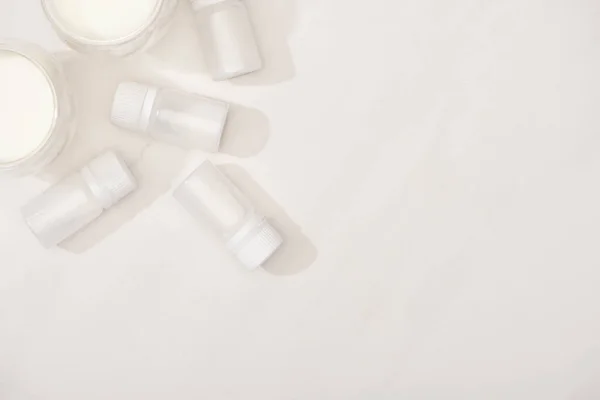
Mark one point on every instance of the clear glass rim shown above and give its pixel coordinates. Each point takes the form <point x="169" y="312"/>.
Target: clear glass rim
<point x="18" y="48"/>
<point x="48" y="7"/>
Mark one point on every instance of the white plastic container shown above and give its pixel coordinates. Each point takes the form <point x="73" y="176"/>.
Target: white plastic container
<point x="172" y="116"/>
<point x="210" y="197"/>
<point x="115" y="27"/>
<point x="79" y="199"/>
<point x="228" y="38"/>
<point x="36" y="108"/>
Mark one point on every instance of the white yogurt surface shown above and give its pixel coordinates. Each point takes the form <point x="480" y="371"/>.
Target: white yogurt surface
<point x="103" y="19"/>
<point x="27" y="107"/>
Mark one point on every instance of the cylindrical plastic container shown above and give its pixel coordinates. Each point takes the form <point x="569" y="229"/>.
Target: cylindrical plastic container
<point x="228" y="38"/>
<point x="79" y="199"/>
<point x="36" y="108"/>
<point x="115" y="27"/>
<point x="172" y="116"/>
<point x="210" y="197"/>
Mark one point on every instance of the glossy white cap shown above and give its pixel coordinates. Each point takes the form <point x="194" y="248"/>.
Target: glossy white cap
<point x="109" y="179"/>
<point x="229" y="39"/>
<point x="132" y="106"/>
<point x="255" y="243"/>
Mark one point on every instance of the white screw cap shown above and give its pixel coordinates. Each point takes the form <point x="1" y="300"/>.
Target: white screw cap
<point x="132" y="106"/>
<point x="255" y="243"/>
<point x="109" y="179"/>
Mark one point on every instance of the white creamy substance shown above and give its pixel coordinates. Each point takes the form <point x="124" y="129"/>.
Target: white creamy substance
<point x="103" y="19"/>
<point x="27" y="107"/>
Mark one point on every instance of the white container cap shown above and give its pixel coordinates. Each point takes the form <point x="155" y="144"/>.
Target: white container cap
<point x="255" y="243"/>
<point x="132" y="106"/>
<point x="109" y="179"/>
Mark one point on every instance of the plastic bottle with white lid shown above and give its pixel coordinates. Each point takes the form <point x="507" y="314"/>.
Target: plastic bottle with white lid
<point x="79" y="199"/>
<point x="173" y="116"/>
<point x="228" y="38"/>
<point x="209" y="196"/>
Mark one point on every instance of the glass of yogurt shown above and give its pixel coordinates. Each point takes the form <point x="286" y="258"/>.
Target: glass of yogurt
<point x="115" y="27"/>
<point x="36" y="108"/>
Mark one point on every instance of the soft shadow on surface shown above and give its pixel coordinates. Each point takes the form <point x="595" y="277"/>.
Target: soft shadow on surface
<point x="273" y="23"/>
<point x="93" y="81"/>
<point x="246" y="133"/>
<point x="297" y="253"/>
<point x="181" y="49"/>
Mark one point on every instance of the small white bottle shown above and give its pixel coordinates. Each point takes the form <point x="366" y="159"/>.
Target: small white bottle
<point x="228" y="37"/>
<point x="79" y="199"/>
<point x="173" y="116"/>
<point x="209" y="196"/>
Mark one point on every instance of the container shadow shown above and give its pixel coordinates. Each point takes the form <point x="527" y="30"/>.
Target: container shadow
<point x="298" y="253"/>
<point x="180" y="51"/>
<point x="246" y="133"/>
<point x="273" y="23"/>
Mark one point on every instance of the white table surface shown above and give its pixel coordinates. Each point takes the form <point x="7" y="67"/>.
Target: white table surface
<point x="434" y="166"/>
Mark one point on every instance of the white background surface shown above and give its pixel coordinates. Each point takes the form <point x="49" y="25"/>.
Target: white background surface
<point x="434" y="166"/>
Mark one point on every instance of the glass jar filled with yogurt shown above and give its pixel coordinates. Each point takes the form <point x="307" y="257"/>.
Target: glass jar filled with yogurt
<point x="36" y="110"/>
<point x="115" y="27"/>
